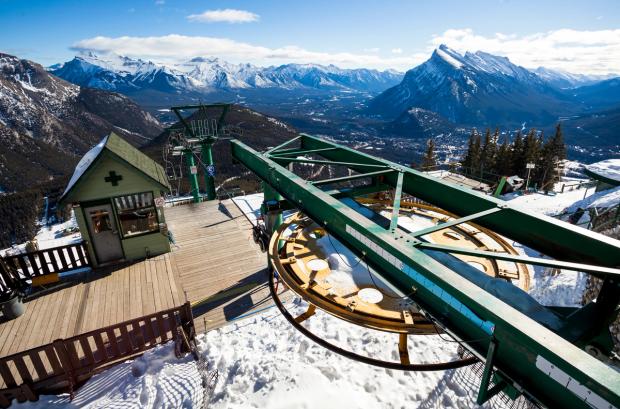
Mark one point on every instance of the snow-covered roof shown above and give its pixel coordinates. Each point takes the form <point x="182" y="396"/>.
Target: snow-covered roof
<point x="123" y="150"/>
<point x="607" y="171"/>
<point x="84" y="164"/>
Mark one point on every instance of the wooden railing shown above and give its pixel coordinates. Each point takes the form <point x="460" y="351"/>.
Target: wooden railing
<point x="26" y="266"/>
<point x="63" y="364"/>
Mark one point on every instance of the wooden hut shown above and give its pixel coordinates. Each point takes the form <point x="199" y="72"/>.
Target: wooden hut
<point x="117" y="195"/>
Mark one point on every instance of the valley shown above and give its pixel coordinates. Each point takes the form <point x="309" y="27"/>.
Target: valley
<point x="444" y="98"/>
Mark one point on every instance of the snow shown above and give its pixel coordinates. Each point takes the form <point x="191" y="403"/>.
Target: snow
<point x="603" y="199"/>
<point x="49" y="236"/>
<point x="559" y="287"/>
<point x="54" y="235"/>
<point x="609" y="168"/>
<point x="551" y="204"/>
<point x="265" y="363"/>
<point x="84" y="163"/>
<point x="250" y="205"/>
<point x="445" y="54"/>
<point x="157" y="379"/>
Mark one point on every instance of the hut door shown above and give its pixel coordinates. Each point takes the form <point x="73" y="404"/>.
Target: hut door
<point x="104" y="233"/>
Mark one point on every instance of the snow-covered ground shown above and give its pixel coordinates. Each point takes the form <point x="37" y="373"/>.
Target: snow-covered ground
<point x="551" y="204"/>
<point x="250" y="205"/>
<point x="264" y="363"/>
<point x="609" y="168"/>
<point x="50" y="236"/>
<point x="603" y="200"/>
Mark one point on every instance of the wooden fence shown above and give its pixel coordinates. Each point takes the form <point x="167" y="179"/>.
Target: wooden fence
<point x="65" y="363"/>
<point x="26" y="266"/>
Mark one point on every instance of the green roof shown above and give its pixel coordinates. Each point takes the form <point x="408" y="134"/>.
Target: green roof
<point x="133" y="156"/>
<point x="126" y="152"/>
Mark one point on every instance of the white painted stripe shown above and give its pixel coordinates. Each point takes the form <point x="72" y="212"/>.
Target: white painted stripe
<point x="561" y="377"/>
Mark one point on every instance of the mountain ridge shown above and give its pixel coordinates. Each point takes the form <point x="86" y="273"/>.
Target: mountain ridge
<point x="475" y="89"/>
<point x="202" y="74"/>
<point x="46" y="123"/>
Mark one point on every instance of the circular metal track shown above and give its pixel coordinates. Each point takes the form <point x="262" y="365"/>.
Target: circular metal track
<point x="374" y="317"/>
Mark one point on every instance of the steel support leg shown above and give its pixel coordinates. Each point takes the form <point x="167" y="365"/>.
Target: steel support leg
<point x="207" y="160"/>
<point x="193" y="177"/>
<point x="484" y="393"/>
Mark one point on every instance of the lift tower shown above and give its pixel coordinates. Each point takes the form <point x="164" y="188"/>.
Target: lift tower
<point x="198" y="136"/>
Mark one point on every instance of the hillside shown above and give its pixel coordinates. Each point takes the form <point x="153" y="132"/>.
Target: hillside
<point x="46" y="123"/>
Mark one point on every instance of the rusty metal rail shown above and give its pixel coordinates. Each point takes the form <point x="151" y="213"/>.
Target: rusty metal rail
<point x="65" y="363"/>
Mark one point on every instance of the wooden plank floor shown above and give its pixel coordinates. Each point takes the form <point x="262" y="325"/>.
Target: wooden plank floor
<point x="102" y="298"/>
<point x="215" y="259"/>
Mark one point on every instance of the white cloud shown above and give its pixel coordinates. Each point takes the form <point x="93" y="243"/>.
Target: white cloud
<point x="225" y="16"/>
<point x="372" y="50"/>
<point x="397" y="50"/>
<point x="587" y="52"/>
<point x="175" y="48"/>
<point x="577" y="51"/>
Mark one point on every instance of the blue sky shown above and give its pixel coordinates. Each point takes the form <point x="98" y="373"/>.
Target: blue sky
<point x="579" y="36"/>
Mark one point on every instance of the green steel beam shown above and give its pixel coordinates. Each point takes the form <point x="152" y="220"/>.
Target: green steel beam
<point x="500" y="187"/>
<point x="396" y="207"/>
<point x="530" y="356"/>
<point x="358" y="190"/>
<point x="328" y="162"/>
<point x="286" y="152"/>
<point x="352" y="177"/>
<point x="483" y="391"/>
<point x="207" y="161"/>
<point x="193" y="177"/>
<point x="537" y="261"/>
<point x="282" y="145"/>
<point x="549" y="236"/>
<point x="455" y="222"/>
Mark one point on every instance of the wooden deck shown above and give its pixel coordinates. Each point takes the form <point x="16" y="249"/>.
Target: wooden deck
<point x="216" y="261"/>
<point x="215" y="257"/>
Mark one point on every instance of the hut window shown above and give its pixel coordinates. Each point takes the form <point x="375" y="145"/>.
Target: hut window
<point x="136" y="214"/>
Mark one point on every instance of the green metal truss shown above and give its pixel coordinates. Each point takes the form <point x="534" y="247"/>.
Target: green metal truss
<point x="206" y="148"/>
<point x="523" y="354"/>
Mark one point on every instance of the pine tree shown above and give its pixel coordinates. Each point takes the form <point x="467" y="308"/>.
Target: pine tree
<point x="557" y="143"/>
<point x="466" y="160"/>
<point x="429" y="161"/>
<point x="531" y="154"/>
<point x="503" y="164"/>
<point x="517" y="155"/>
<point x="546" y="175"/>
<point x="471" y="160"/>
<point x="552" y="152"/>
<point x="531" y="148"/>
<point x="489" y="152"/>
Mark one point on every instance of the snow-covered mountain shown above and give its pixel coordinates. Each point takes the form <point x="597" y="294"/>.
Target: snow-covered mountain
<point x="474" y="88"/>
<point x="201" y="74"/>
<point x="564" y="80"/>
<point x="46" y="122"/>
<point x="601" y="95"/>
